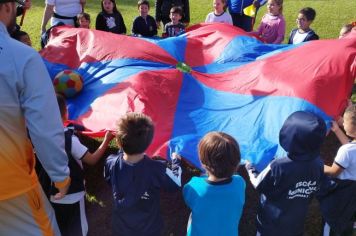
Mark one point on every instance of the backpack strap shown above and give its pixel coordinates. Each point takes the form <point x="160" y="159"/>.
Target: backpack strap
<point x="68" y="141"/>
<point x="76" y="171"/>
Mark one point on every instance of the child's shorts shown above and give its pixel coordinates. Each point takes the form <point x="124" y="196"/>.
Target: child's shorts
<point x="71" y="218"/>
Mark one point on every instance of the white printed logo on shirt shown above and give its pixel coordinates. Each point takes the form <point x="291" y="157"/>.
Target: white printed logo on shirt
<point x="145" y="196"/>
<point x="302" y="189"/>
<point x="110" y="22"/>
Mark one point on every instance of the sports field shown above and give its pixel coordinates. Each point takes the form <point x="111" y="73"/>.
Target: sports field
<point x="331" y="15"/>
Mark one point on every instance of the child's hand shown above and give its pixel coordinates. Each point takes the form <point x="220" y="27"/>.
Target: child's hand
<point x="175" y="155"/>
<point x="256" y="4"/>
<point x="340" y="120"/>
<point x="334" y="126"/>
<point x="62" y="192"/>
<point x="27" y="4"/>
<point x="109" y="135"/>
<point x="248" y="164"/>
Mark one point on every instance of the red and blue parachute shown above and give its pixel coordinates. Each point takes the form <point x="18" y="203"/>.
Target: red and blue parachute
<point x="213" y="78"/>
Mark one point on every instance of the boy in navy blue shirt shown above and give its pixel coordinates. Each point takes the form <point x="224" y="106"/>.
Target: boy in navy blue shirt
<point x="136" y="179"/>
<point x="144" y="25"/>
<point x="288" y="184"/>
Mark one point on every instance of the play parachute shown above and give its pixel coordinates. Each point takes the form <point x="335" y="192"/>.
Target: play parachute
<point x="215" y="77"/>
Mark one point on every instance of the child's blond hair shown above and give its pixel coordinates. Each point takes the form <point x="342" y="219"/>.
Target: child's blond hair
<point x="279" y="3"/>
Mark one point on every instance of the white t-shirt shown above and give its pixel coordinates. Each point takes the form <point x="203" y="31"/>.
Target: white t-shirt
<point x="78" y="151"/>
<point x="299" y="37"/>
<point x="69" y="8"/>
<point x="346" y="158"/>
<point x="223" y="18"/>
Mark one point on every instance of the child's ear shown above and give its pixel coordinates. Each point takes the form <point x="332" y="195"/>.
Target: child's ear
<point x="117" y="142"/>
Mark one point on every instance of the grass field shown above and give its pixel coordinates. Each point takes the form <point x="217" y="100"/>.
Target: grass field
<point x="331" y="15"/>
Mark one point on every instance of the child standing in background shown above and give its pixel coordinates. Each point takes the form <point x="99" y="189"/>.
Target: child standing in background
<point x="163" y="8"/>
<point x="219" y="14"/>
<point x="22" y="36"/>
<point x="216" y="201"/>
<point x="304" y="33"/>
<point x="175" y="27"/>
<point x="110" y="19"/>
<point x="273" y="25"/>
<point x="144" y="25"/>
<point x="136" y="179"/>
<point x="83" y="20"/>
<point x="339" y="207"/>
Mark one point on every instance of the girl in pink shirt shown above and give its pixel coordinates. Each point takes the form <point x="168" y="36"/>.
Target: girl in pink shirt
<point x="273" y="25"/>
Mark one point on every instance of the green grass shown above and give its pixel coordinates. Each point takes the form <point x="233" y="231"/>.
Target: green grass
<point x="331" y="15"/>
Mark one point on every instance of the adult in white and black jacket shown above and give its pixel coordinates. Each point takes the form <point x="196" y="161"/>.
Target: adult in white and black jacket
<point x="288" y="184"/>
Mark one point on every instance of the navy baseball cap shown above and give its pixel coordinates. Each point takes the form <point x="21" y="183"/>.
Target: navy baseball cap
<point x="19" y="2"/>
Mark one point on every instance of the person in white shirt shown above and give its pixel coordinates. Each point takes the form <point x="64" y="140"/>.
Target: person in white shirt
<point x="339" y="206"/>
<point x="64" y="11"/>
<point x="303" y="33"/>
<point x="219" y="14"/>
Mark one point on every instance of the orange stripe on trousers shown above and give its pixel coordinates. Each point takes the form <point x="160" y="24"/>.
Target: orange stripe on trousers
<point x="37" y="204"/>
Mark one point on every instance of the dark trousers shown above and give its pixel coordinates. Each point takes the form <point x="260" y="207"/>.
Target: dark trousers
<point x="349" y="231"/>
<point x="68" y="218"/>
<point x="242" y="21"/>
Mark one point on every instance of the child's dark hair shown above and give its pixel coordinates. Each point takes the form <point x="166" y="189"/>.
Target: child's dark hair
<point x="143" y="2"/>
<point x="62" y="104"/>
<point x="134" y="133"/>
<point x="83" y="15"/>
<point x="220" y="154"/>
<point x="309" y="13"/>
<point x="177" y="10"/>
<point x="225" y="4"/>
<point x="17" y="34"/>
<point x="114" y="10"/>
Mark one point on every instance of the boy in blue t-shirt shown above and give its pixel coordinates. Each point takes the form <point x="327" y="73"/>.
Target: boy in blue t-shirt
<point x="136" y="179"/>
<point x="217" y="200"/>
<point x="144" y="25"/>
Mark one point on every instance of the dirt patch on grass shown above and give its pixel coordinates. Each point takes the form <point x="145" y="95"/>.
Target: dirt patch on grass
<point x="174" y="211"/>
